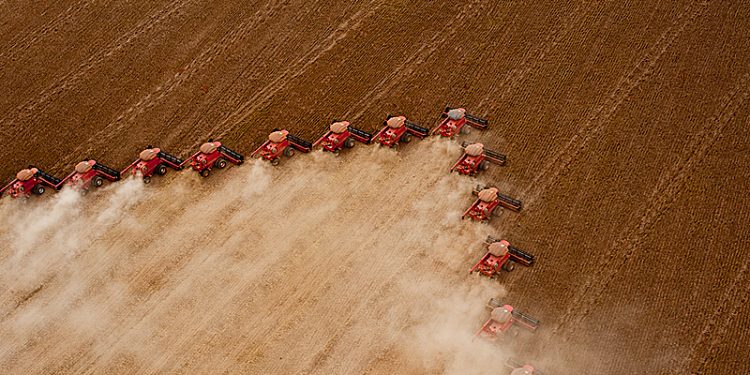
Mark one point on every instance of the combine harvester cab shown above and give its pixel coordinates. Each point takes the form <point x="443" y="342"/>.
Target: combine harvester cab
<point x="153" y="161"/>
<point x="89" y="173"/>
<point x="502" y="318"/>
<point x="397" y="129"/>
<point x="520" y="368"/>
<point x="500" y="256"/>
<point x="488" y="200"/>
<point x="212" y="154"/>
<point x="342" y="134"/>
<point x="29" y="181"/>
<point x="280" y="142"/>
<point x="455" y="121"/>
<point x="477" y="158"/>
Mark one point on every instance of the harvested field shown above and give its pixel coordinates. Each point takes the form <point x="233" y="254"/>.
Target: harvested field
<point x="626" y="127"/>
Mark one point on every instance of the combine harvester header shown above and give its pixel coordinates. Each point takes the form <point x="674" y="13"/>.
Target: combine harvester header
<point x="398" y="129"/>
<point x="342" y="134"/>
<point x="454" y="121"/>
<point x="153" y="161"/>
<point x="280" y="142"/>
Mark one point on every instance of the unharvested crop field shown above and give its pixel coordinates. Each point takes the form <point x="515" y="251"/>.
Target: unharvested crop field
<point x="627" y="126"/>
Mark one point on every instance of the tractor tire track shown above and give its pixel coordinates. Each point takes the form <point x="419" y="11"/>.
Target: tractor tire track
<point x="295" y="69"/>
<point x="665" y="192"/>
<point x="416" y="59"/>
<point x="33" y="108"/>
<point x="603" y="114"/>
<point x="24" y="41"/>
<point x="206" y="57"/>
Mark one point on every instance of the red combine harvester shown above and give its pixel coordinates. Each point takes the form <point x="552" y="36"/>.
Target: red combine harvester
<point x="520" y="368"/>
<point x="502" y="318"/>
<point x="342" y="134"/>
<point x="153" y="161"/>
<point x="280" y="142"/>
<point x="454" y="121"/>
<point x="398" y="129"/>
<point x="500" y="256"/>
<point x="212" y="154"/>
<point x="30" y="181"/>
<point x="477" y="158"/>
<point x="488" y="199"/>
<point x="89" y="173"/>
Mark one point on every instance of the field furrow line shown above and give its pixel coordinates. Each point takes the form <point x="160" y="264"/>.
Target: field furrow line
<point x="417" y="58"/>
<point x="552" y="169"/>
<point x="33" y="108"/>
<point x="206" y="57"/>
<point x="297" y="68"/>
<point x="662" y="196"/>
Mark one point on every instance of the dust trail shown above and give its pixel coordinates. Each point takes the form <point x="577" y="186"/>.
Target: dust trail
<point x="324" y="264"/>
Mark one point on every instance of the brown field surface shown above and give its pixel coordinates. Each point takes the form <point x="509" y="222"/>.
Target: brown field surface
<point x="627" y="126"/>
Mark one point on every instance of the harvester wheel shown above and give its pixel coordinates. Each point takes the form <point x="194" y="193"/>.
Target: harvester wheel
<point x="161" y="169"/>
<point x="220" y="163"/>
<point x="508" y="266"/>
<point x="38" y="190"/>
<point x="205" y="172"/>
<point x="98" y="181"/>
<point x="465" y="129"/>
<point x="289" y="152"/>
<point x="349" y="143"/>
<point x="275" y="161"/>
<point x="484" y="165"/>
<point x="146" y="179"/>
<point x="406" y="138"/>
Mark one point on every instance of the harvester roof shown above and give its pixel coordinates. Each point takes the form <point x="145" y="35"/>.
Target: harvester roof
<point x="277" y="136"/>
<point x="456" y="114"/>
<point x="208" y="147"/>
<point x="26" y="174"/>
<point x="339" y="127"/>
<point x="488" y="195"/>
<point x="475" y="149"/>
<point x="83" y="167"/>
<point x="498" y="248"/>
<point x="396" y="122"/>
<point x="148" y="154"/>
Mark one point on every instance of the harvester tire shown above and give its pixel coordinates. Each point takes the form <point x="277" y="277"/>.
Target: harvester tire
<point x="146" y="179"/>
<point x="98" y="181"/>
<point x="406" y="138"/>
<point x="289" y="152"/>
<point x="465" y="129"/>
<point x="161" y="169"/>
<point x="275" y="161"/>
<point x="220" y="163"/>
<point x="508" y="266"/>
<point x="205" y="173"/>
<point x="349" y="143"/>
<point x="484" y="165"/>
<point x="38" y="190"/>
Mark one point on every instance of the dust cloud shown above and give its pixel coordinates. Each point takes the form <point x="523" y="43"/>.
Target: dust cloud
<point x="324" y="264"/>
